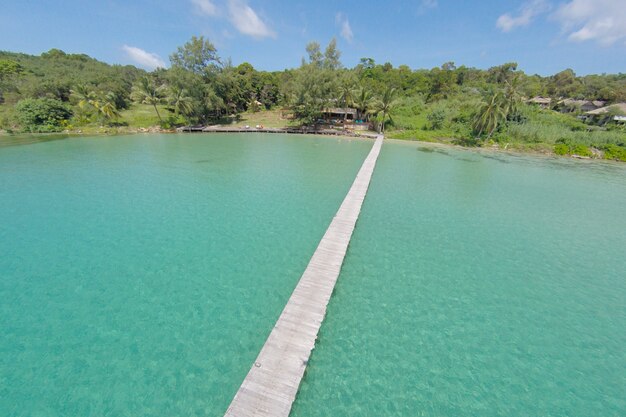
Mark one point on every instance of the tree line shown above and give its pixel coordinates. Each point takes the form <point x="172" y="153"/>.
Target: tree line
<point x="200" y="87"/>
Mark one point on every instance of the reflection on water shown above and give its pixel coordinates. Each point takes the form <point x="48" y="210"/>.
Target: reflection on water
<point x="496" y="158"/>
<point x="425" y="150"/>
<point x="466" y="160"/>
<point x="30" y="138"/>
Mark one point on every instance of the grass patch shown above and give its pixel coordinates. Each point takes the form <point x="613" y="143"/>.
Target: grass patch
<point x="266" y="118"/>
<point x="143" y="115"/>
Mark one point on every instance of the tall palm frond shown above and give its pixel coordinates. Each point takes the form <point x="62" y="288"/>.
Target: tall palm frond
<point x="180" y="100"/>
<point x="362" y="102"/>
<point x="84" y="95"/>
<point x="385" y="107"/>
<point x="147" y="92"/>
<point x="490" y="115"/>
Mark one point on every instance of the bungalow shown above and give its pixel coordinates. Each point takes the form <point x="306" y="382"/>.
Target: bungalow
<point x="618" y="109"/>
<point x="568" y="105"/>
<point x="543" y="102"/>
<point x="339" y="113"/>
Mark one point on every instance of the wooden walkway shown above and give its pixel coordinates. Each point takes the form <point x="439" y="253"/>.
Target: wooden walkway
<point x="271" y="386"/>
<point x="286" y="130"/>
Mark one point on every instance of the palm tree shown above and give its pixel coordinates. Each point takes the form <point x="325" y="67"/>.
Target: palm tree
<point x="511" y="97"/>
<point x="84" y="95"/>
<point x="107" y="106"/>
<point x="385" y="107"/>
<point x="362" y="102"/>
<point x="490" y="115"/>
<point x="180" y="100"/>
<point x="346" y="96"/>
<point x="102" y="103"/>
<point x="146" y="92"/>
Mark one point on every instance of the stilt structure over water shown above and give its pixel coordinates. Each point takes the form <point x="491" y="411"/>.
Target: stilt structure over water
<point x="271" y="386"/>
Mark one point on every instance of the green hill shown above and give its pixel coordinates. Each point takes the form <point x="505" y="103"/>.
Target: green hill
<point x="54" y="73"/>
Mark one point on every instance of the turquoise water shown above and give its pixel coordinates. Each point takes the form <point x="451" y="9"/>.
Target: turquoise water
<point x="140" y="276"/>
<point x="478" y="285"/>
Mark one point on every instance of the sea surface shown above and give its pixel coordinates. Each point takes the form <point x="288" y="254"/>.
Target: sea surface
<point x="478" y="284"/>
<point x="140" y="276"/>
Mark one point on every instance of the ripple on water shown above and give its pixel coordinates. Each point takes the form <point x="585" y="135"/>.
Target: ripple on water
<point x="141" y="275"/>
<point x="483" y="288"/>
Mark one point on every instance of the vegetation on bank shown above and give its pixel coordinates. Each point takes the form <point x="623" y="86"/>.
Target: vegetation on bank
<point x="58" y="91"/>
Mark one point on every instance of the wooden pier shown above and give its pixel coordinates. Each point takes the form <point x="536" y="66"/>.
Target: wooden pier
<point x="271" y="386"/>
<point x="285" y="130"/>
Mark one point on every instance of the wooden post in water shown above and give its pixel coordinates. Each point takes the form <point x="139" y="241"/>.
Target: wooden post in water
<point x="271" y="386"/>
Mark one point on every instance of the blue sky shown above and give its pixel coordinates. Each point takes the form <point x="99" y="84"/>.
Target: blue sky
<point x="543" y="36"/>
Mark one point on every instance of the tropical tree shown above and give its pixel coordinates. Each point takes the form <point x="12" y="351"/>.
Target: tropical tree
<point x="178" y="98"/>
<point x="443" y="81"/>
<point x="511" y="97"/>
<point x="147" y="92"/>
<point x="385" y="107"/>
<point x="502" y="73"/>
<point x="346" y="94"/>
<point x="254" y="105"/>
<point x="9" y="67"/>
<point x="491" y="114"/>
<point x="42" y="114"/>
<point x="214" y="102"/>
<point x="362" y="102"/>
<point x="83" y="95"/>
<point x="198" y="55"/>
<point x="332" y="56"/>
<point x="105" y="104"/>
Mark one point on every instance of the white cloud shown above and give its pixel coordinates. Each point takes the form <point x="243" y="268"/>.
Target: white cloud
<point x="346" y="30"/>
<point x="529" y="10"/>
<point x="145" y="59"/>
<point x="247" y="21"/>
<point x="426" y="5"/>
<point x="205" y="7"/>
<point x="603" y="21"/>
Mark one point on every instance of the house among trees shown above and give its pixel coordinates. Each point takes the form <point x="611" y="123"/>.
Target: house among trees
<point x="617" y="111"/>
<point x="571" y="105"/>
<point x="543" y="102"/>
<point x="339" y="114"/>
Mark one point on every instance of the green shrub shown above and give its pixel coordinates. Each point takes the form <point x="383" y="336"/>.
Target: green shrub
<point x="581" y="150"/>
<point x="561" y="149"/>
<point x="437" y="118"/>
<point x="615" y="152"/>
<point x="439" y="115"/>
<point x="42" y="114"/>
<point x="564" y="147"/>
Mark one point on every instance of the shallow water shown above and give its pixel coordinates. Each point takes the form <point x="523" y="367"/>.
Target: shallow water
<point x="478" y="285"/>
<point x="140" y="275"/>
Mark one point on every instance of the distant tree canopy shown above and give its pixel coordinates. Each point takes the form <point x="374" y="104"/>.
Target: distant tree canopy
<point x="198" y="56"/>
<point x="9" y="67"/>
<point x="201" y="87"/>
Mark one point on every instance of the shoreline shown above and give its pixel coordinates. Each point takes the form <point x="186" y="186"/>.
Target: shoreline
<point x="494" y="149"/>
<point x="491" y="152"/>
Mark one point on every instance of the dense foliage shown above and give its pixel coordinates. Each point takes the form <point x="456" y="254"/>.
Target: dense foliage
<point x="42" y="114"/>
<point x="455" y="103"/>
